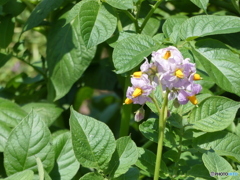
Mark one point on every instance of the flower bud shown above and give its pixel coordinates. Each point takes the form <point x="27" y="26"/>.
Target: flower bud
<point x="140" y="113"/>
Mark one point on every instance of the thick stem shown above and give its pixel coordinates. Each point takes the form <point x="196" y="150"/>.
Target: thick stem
<point x="162" y="124"/>
<point x="150" y="14"/>
<point x="126" y="113"/>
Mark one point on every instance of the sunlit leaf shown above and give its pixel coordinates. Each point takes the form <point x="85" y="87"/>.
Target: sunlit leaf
<point x="220" y="62"/>
<point x="131" y="51"/>
<point x="93" y="142"/>
<point x="30" y="139"/>
<point x="205" y="25"/>
<point x="97" y="22"/>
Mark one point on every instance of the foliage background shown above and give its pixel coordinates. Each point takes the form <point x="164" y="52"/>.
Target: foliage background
<point x="62" y="53"/>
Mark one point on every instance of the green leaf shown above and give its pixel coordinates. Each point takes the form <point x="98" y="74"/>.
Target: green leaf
<point x="146" y="162"/>
<point x="221" y="63"/>
<point x="6" y="31"/>
<point x="4" y="58"/>
<point x="93" y="142"/>
<point x="216" y="163"/>
<point x="113" y="41"/>
<point x="126" y="154"/>
<point x="149" y="129"/>
<point x="131" y="174"/>
<point x="121" y="4"/>
<point x="48" y="112"/>
<point x="198" y="170"/>
<point x="152" y="26"/>
<point x="223" y="143"/>
<point x="92" y="176"/>
<point x="2" y="2"/>
<point x="14" y="7"/>
<point x="40" y="12"/>
<point x="67" y="56"/>
<point x="29" y="139"/>
<point x="205" y="25"/>
<point x="10" y="115"/>
<point x="201" y="4"/>
<point x="171" y="27"/>
<point x="24" y="175"/>
<point x="5" y="131"/>
<point x="66" y="165"/>
<point x="183" y="109"/>
<point x="97" y="22"/>
<point x="131" y="51"/>
<point x="236" y="5"/>
<point x="214" y="114"/>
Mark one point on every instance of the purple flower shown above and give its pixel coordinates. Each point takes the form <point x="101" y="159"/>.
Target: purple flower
<point x="166" y="57"/>
<point x="140" y="90"/>
<point x="178" y="75"/>
<point x="189" y="94"/>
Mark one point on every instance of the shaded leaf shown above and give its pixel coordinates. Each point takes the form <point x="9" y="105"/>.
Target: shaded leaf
<point x="201" y="4"/>
<point x="67" y="56"/>
<point x="131" y="174"/>
<point x="223" y="143"/>
<point x="146" y="162"/>
<point x="6" y="31"/>
<point x="40" y="12"/>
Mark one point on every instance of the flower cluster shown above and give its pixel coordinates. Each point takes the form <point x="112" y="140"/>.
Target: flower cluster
<point x="171" y="71"/>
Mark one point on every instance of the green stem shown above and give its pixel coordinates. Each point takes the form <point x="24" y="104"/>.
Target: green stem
<point x="119" y="23"/>
<point x="134" y="20"/>
<point x="150" y="14"/>
<point x="147" y="144"/>
<point x="126" y="113"/>
<point x="35" y="68"/>
<point x="162" y="124"/>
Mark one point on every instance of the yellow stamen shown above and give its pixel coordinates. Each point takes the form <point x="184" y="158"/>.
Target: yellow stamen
<point x="193" y="99"/>
<point x="137" y="74"/>
<point x="137" y="92"/>
<point x="128" y="101"/>
<point x="167" y="55"/>
<point x="197" y="77"/>
<point x="179" y="73"/>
